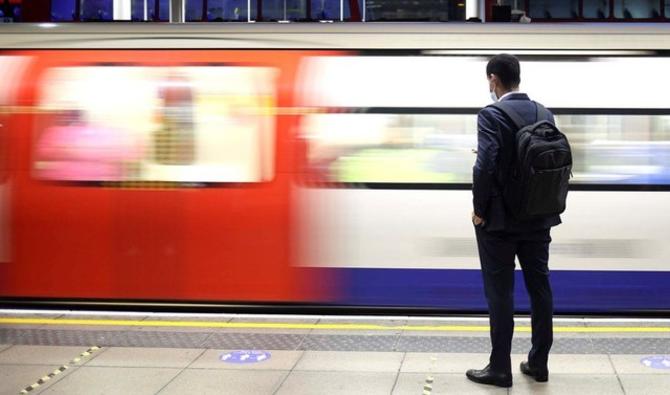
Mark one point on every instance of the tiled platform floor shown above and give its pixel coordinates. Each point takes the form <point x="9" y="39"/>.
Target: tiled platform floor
<point x="315" y="361"/>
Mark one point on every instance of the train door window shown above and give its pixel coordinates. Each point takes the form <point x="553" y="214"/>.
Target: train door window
<point x="295" y="10"/>
<point x="636" y="9"/>
<point x="169" y="124"/>
<point x="227" y="10"/>
<point x="596" y="9"/>
<point x="97" y="10"/>
<point x="272" y="10"/>
<point x="10" y="11"/>
<point x="164" y="10"/>
<point x="193" y="10"/>
<point x="667" y="9"/>
<point x="328" y="10"/>
<point x="63" y="10"/>
<point x="163" y="7"/>
<point x="554" y="9"/>
<point x="137" y="10"/>
<point x="403" y="10"/>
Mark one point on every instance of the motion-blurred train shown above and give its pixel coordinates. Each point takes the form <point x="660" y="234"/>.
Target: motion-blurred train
<point x="317" y="164"/>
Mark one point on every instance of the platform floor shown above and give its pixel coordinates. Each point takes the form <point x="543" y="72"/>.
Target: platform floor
<point x="138" y="353"/>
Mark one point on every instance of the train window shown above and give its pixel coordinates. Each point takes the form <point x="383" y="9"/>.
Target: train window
<point x="554" y="9"/>
<point x="396" y="148"/>
<point x="596" y="9"/>
<point x="619" y="149"/>
<point x="412" y="119"/>
<point x="667" y="9"/>
<point x="171" y="124"/>
<point x="636" y="9"/>
<point x="418" y="149"/>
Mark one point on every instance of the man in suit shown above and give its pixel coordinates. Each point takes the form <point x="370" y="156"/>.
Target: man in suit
<point x="500" y="237"/>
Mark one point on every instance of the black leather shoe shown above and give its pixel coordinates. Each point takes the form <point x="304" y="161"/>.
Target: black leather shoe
<point x="540" y="376"/>
<point x="487" y="376"/>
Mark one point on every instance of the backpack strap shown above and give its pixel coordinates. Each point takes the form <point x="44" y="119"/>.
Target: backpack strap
<point x="541" y="112"/>
<point x="510" y="113"/>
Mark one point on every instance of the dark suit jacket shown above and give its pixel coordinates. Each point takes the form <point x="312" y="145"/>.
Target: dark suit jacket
<point x="495" y="139"/>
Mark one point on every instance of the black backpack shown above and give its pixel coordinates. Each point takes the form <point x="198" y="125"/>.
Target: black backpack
<point x="540" y="166"/>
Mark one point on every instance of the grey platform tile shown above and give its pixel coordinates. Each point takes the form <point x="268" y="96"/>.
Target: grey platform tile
<point x="102" y="317"/>
<point x="98" y="317"/>
<point x="568" y="384"/>
<point x="412" y="384"/>
<point x="4" y="347"/>
<point x="84" y="328"/>
<point x="350" y="331"/>
<point x="289" y="320"/>
<point x="639" y="323"/>
<point x="279" y="360"/>
<point x="176" y="330"/>
<point x="265" y="331"/>
<point x="147" y="357"/>
<point x="108" y="338"/>
<point x="562" y="345"/>
<point x="204" y="321"/>
<point x="639" y="345"/>
<point x="113" y="380"/>
<point x="19" y="314"/>
<point x="632" y="364"/>
<point x="444" y="344"/>
<point x="14" y="378"/>
<point x="10" y="334"/>
<point x="350" y="361"/>
<point x="421" y="362"/>
<point x="645" y="385"/>
<point x="572" y="363"/>
<point x="336" y="383"/>
<point x="42" y="355"/>
<point x="252" y="341"/>
<point x="349" y="343"/>
<point x="216" y="381"/>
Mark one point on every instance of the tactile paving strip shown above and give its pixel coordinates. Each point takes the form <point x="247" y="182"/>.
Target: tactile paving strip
<point x="321" y="342"/>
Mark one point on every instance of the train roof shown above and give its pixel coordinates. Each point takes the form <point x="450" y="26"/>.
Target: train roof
<point x="454" y="36"/>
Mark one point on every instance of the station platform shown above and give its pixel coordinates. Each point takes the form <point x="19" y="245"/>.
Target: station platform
<point x="75" y="352"/>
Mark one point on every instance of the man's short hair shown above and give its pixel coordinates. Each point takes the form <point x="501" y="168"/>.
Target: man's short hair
<point x="507" y="68"/>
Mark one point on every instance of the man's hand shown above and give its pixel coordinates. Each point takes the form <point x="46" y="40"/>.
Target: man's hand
<point x="477" y="220"/>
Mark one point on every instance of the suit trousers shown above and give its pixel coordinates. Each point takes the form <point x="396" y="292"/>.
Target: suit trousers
<point x="497" y="251"/>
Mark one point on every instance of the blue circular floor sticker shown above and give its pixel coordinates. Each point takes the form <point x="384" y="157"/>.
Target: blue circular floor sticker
<point x="245" y="356"/>
<point x="656" y="362"/>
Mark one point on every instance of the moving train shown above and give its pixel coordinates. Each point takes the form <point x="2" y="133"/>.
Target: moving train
<point x="317" y="164"/>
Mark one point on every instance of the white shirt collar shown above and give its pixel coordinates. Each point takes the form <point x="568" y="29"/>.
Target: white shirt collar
<point x="508" y="94"/>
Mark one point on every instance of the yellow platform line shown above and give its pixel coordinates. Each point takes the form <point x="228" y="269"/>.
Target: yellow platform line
<point x="288" y="325"/>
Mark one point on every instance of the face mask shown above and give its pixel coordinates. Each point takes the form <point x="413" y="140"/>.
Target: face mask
<point x="494" y="97"/>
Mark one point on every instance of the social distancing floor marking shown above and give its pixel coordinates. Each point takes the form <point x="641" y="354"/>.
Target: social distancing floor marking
<point x="60" y="370"/>
<point x="335" y="327"/>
